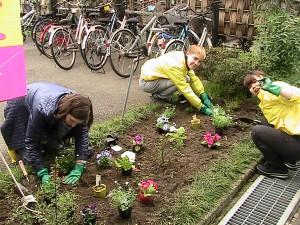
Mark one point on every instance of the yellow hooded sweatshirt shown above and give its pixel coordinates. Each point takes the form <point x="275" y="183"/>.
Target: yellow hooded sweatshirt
<point x="173" y="66"/>
<point x="284" y="114"/>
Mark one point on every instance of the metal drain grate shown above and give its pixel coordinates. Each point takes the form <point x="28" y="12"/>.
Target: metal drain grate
<point x="267" y="202"/>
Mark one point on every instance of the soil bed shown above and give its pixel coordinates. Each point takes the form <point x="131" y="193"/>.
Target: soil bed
<point x="173" y="175"/>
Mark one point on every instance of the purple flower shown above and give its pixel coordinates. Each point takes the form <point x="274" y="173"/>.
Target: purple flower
<point x="138" y="139"/>
<point x="104" y="154"/>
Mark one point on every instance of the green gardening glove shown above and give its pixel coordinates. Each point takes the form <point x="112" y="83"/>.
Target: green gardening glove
<point x="268" y="85"/>
<point x="205" y="99"/>
<point x="44" y="176"/>
<point x="205" y="110"/>
<point x="75" y="174"/>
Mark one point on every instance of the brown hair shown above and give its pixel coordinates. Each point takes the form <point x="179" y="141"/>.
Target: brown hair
<point x="250" y="77"/>
<point x="197" y="50"/>
<point x="78" y="106"/>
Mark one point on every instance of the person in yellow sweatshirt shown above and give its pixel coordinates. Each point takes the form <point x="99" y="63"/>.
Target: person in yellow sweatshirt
<point x="174" y="71"/>
<point x="279" y="138"/>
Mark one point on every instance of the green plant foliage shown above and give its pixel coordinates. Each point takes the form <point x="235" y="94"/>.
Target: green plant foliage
<point x="122" y="197"/>
<point x="60" y="211"/>
<point x="169" y="112"/>
<point x="219" y="118"/>
<point x="124" y="163"/>
<point x="177" y="138"/>
<point x="6" y="181"/>
<point x="278" y="42"/>
<point x="65" y="161"/>
<point x="225" y="69"/>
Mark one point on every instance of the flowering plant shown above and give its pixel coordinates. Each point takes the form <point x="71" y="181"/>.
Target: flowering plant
<point x="148" y="187"/>
<point x="124" y="163"/>
<point x="137" y="142"/>
<point x="89" y="214"/>
<point x="211" y="140"/>
<point x="104" y="159"/>
<point x="122" y="197"/>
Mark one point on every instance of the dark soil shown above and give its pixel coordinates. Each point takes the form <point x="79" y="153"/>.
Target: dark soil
<point x="172" y="175"/>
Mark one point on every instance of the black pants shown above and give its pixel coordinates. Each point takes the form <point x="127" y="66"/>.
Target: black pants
<point x="275" y="145"/>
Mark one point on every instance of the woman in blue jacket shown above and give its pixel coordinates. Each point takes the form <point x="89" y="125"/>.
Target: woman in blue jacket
<point x="39" y="122"/>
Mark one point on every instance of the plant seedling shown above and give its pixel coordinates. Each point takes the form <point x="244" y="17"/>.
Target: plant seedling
<point x="178" y="137"/>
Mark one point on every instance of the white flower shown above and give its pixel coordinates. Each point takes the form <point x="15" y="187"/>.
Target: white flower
<point x="130" y="155"/>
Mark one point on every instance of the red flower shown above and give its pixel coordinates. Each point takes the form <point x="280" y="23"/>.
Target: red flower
<point x="148" y="187"/>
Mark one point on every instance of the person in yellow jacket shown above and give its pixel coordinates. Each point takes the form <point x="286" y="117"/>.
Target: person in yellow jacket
<point x="174" y="71"/>
<point x="279" y="138"/>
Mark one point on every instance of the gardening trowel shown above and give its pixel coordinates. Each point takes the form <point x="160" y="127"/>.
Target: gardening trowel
<point x="247" y="120"/>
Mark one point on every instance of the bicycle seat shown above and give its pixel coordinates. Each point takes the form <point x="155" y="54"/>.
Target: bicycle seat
<point x="65" y="21"/>
<point x="169" y="26"/>
<point x="133" y="20"/>
<point x="96" y="14"/>
<point x="104" y="20"/>
<point x="181" y="22"/>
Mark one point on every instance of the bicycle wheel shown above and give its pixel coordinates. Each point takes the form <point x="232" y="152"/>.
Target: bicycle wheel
<point x="174" y="45"/>
<point x="120" y="59"/>
<point x="44" y="41"/>
<point x="156" y="46"/>
<point x="63" y="49"/>
<point x="38" y="30"/>
<point x="95" y="48"/>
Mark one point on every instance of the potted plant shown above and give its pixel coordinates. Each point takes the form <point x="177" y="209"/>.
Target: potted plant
<point x="212" y="141"/>
<point x="147" y="189"/>
<point x="137" y="142"/>
<point x="104" y="159"/>
<point x="125" y="164"/>
<point x="123" y="198"/>
<point x="100" y="190"/>
<point x="177" y="138"/>
<point x="89" y="214"/>
<point x="195" y="122"/>
<point x="220" y="120"/>
<point x="162" y="124"/>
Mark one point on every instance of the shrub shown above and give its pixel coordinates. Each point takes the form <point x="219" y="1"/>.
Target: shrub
<point x="225" y="69"/>
<point x="278" y="41"/>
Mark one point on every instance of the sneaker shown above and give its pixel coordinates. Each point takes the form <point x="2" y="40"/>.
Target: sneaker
<point x="269" y="170"/>
<point x="155" y="98"/>
<point x="292" y="166"/>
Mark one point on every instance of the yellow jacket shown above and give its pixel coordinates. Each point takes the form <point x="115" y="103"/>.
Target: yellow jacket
<point x="173" y="66"/>
<point x="284" y="114"/>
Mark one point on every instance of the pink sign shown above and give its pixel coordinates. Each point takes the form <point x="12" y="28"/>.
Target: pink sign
<point x="12" y="72"/>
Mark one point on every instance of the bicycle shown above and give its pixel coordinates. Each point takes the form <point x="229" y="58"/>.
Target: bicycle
<point x="188" y="37"/>
<point x="64" y="44"/>
<point x="28" y="20"/>
<point x="95" y="44"/>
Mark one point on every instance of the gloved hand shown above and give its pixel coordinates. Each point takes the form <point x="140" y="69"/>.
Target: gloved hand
<point x="75" y="174"/>
<point x="267" y="85"/>
<point x="44" y="176"/>
<point x="205" y="99"/>
<point x="205" y="110"/>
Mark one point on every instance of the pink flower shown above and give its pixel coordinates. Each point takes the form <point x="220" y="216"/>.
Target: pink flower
<point x="148" y="187"/>
<point x="210" y="140"/>
<point x="138" y="139"/>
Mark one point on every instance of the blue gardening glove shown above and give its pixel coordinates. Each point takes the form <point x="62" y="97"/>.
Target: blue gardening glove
<point x="267" y="85"/>
<point x="205" y="110"/>
<point x="75" y="174"/>
<point x="206" y="100"/>
<point x="44" y="176"/>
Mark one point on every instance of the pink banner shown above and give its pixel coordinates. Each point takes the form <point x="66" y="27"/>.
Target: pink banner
<point x="12" y="60"/>
<point x="12" y="73"/>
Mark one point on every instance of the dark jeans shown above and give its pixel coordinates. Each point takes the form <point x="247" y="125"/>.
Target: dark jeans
<point x="275" y="145"/>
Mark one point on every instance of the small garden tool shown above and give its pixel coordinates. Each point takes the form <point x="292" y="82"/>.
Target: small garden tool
<point x="28" y="201"/>
<point x="21" y="164"/>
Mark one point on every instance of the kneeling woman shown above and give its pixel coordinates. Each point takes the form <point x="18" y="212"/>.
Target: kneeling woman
<point x="279" y="138"/>
<point x="38" y="123"/>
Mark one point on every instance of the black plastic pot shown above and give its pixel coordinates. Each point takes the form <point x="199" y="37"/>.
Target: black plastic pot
<point x="89" y="221"/>
<point x="219" y="131"/>
<point x="126" y="213"/>
<point x="127" y="172"/>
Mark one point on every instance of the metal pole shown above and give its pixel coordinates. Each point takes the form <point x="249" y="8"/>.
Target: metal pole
<point x="129" y="84"/>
